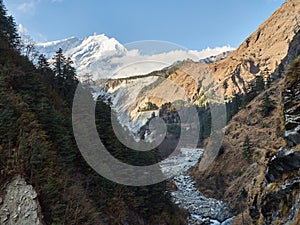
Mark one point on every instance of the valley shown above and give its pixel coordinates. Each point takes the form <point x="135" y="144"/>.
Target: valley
<point x="223" y="125"/>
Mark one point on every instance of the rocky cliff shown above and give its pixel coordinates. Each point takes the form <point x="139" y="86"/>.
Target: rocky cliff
<point x="20" y="205"/>
<point x="264" y="53"/>
<point x="262" y="186"/>
<point x="291" y="100"/>
<point x="276" y="199"/>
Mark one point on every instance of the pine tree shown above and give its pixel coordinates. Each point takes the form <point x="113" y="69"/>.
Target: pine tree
<point x="65" y="76"/>
<point x="59" y="62"/>
<point x="259" y="84"/>
<point x="247" y="149"/>
<point x="269" y="81"/>
<point x="249" y="95"/>
<point x="71" y="80"/>
<point x="8" y="30"/>
<point x="280" y="70"/>
<point x="28" y="49"/>
<point x="42" y="63"/>
<point x="12" y="33"/>
<point x="267" y="105"/>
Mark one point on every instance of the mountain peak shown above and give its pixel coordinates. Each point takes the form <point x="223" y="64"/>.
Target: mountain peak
<point x="72" y="42"/>
<point x="103" y="57"/>
<point x="86" y="53"/>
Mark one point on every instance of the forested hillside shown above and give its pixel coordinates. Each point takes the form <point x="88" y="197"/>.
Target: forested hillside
<point x="36" y="142"/>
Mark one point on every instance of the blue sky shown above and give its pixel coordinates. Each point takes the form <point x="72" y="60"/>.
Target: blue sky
<point x="194" y="24"/>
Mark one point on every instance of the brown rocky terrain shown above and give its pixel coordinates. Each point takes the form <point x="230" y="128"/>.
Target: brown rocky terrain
<point x="257" y="169"/>
<point x="274" y="197"/>
<point x="265" y="48"/>
<point x="229" y="176"/>
<point x="264" y="52"/>
<point x="262" y="188"/>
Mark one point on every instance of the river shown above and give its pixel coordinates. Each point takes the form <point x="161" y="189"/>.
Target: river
<point x="202" y="210"/>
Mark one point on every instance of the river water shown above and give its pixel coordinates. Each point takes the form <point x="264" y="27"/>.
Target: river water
<point x="202" y="210"/>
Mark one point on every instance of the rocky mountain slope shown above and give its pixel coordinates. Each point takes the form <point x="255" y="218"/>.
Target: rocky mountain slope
<point x="266" y="48"/>
<point x="257" y="168"/>
<point x="20" y="204"/>
<point x="262" y="187"/>
<point x="128" y="95"/>
<point x="103" y="58"/>
<point x="274" y="196"/>
<point x="264" y="53"/>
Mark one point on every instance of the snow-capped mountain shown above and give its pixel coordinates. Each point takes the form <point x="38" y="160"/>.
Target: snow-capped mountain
<point x="90" y="55"/>
<point x="104" y="57"/>
<point x="49" y="48"/>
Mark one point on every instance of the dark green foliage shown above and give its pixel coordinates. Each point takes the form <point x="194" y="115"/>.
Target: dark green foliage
<point x="239" y="101"/>
<point x="7" y="114"/>
<point x="267" y="105"/>
<point x="65" y="75"/>
<point x="169" y="113"/>
<point x="147" y="200"/>
<point x="249" y="95"/>
<point x="259" y="84"/>
<point x="59" y="62"/>
<point x="205" y="122"/>
<point x="106" y="132"/>
<point x="269" y="81"/>
<point x="247" y="149"/>
<point x="43" y="65"/>
<point x="234" y="105"/>
<point x="149" y="106"/>
<point x="280" y="70"/>
<point x="36" y="142"/>
<point x="174" y="129"/>
<point x="8" y="30"/>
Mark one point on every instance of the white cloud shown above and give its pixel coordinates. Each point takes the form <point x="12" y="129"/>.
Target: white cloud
<point x="106" y="58"/>
<point x="22" y="30"/>
<point x="28" y="6"/>
<point x="25" y="33"/>
<point x="134" y="63"/>
<point x="211" y="51"/>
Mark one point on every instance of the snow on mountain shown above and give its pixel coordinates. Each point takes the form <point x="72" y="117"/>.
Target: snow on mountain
<point x="123" y="96"/>
<point x="104" y="57"/>
<point x="49" y="48"/>
<point x="90" y="55"/>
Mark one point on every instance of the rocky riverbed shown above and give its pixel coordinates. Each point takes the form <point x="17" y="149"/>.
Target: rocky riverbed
<point x="202" y="210"/>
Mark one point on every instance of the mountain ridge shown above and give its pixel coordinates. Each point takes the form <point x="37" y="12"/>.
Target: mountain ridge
<point x="262" y="54"/>
<point x="105" y="57"/>
<point x="265" y="48"/>
<point x="242" y="180"/>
